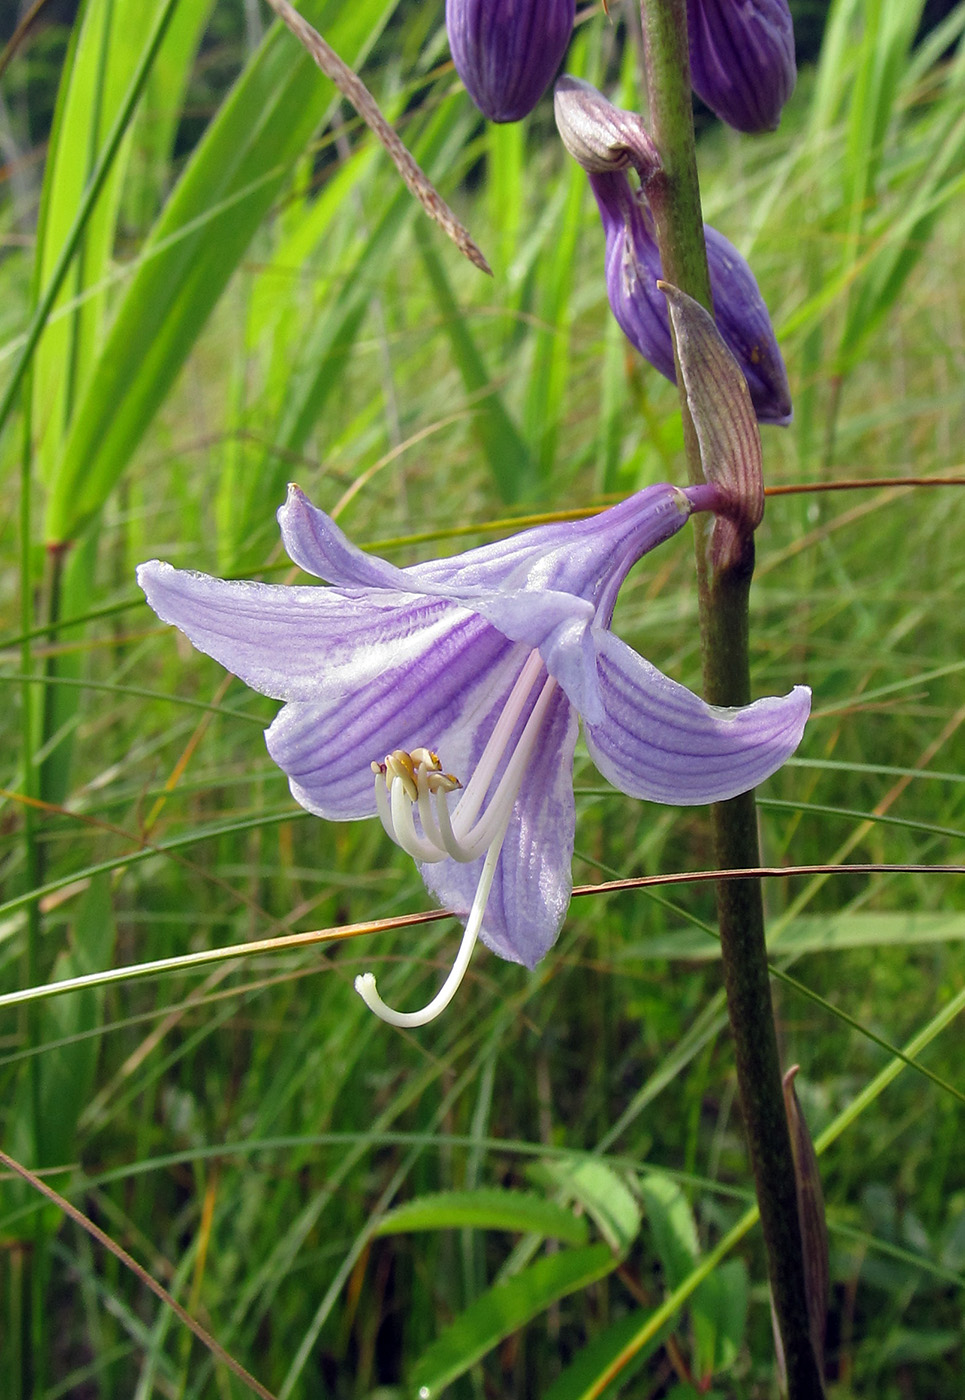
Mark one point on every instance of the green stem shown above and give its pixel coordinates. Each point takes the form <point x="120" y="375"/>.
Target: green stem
<point x="723" y="605"/>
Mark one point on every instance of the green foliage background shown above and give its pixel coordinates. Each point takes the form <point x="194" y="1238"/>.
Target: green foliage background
<point x="502" y="1203"/>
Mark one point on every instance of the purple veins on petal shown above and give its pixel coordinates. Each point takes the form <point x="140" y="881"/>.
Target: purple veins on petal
<point x="660" y="741"/>
<point x="470" y="674"/>
<point x="742" y="62"/>
<point x="507" y="51"/>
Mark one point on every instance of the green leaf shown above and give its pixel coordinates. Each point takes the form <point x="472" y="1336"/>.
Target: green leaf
<point x="902" y="1346"/>
<point x="812" y="933"/>
<point x="67" y="1071"/>
<point x="103" y="57"/>
<point x="499" y="438"/>
<point x="719" y="1312"/>
<point x="672" y="1226"/>
<point x="229" y="185"/>
<point x="603" y="1194"/>
<point x="581" y="1379"/>
<point x="314" y="368"/>
<point x="486" y="1210"/>
<point x="503" y="1310"/>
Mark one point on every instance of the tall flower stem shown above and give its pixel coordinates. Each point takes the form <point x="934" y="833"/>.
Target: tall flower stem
<point x="723" y="599"/>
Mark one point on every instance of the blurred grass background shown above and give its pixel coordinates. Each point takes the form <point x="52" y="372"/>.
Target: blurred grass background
<point x="254" y="299"/>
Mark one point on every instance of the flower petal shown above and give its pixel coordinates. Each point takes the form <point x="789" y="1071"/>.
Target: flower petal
<point x="543" y="587"/>
<point x="533" y="882"/>
<point x="506" y="51"/>
<point x="448" y="703"/>
<point x="661" y="742"/>
<point x="299" y="643"/>
<point x="633" y="268"/>
<point x="577" y="557"/>
<point x="316" y="544"/>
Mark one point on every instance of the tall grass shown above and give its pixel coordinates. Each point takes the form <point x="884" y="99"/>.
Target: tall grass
<point x="502" y="1203"/>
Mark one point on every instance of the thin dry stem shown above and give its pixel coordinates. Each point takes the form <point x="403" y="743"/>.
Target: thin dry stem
<point x="352" y="88"/>
<point x="96" y="1233"/>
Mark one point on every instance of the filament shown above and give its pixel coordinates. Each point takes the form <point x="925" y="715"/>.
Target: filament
<point x="464" y="834"/>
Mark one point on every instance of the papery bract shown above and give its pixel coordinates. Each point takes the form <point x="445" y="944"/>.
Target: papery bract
<point x="598" y="135"/>
<point x="742" y="59"/>
<point x="507" y="51"/>
<point x="633" y="269"/>
<point x="470" y="673"/>
<point x="723" y="417"/>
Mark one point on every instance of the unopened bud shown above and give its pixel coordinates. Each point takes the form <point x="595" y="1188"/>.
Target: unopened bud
<point x="507" y="51"/>
<point x="742" y="59"/>
<point x="599" y="136"/>
<point x="633" y="269"/>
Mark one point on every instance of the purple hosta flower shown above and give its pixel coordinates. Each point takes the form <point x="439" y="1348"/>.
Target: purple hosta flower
<point x="633" y="270"/>
<point x="742" y="59"/>
<point x="507" y="51"/>
<point x="458" y="683"/>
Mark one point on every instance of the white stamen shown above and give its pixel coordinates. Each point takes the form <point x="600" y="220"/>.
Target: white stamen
<point x="418" y="847"/>
<point x="469" y="804"/>
<point x="421" y="772"/>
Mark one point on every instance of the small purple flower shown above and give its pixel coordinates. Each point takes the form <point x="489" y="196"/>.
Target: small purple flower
<point x="742" y="59"/>
<point x="633" y="270"/>
<point x="507" y="51"/>
<point x="457" y="683"/>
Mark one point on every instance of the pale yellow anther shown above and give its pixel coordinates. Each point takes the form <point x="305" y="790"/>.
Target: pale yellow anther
<point x="431" y="760"/>
<point x="442" y="782"/>
<point x="421" y="766"/>
<point x="399" y="764"/>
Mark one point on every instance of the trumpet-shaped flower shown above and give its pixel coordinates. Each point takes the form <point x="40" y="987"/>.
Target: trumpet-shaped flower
<point x="444" y="698"/>
<point x="506" y="51"/>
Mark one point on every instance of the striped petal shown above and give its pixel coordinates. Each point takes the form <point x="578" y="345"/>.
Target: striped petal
<point x="450" y="705"/>
<point x="533" y="882"/>
<point x="300" y="643"/>
<point x="661" y="742"/>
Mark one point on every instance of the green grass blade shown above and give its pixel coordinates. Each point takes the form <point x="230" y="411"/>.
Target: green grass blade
<point x="313" y="369"/>
<point x="74" y="236"/>
<point x="498" y="437"/>
<point x="102" y="62"/>
<point x="231" y="182"/>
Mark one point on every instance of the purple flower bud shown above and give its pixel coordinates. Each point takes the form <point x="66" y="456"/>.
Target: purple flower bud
<point x="507" y="51"/>
<point x="742" y="59"/>
<point x="633" y="270"/>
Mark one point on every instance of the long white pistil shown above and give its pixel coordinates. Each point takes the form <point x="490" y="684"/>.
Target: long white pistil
<point x="365" y="982"/>
<point x="406" y="780"/>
